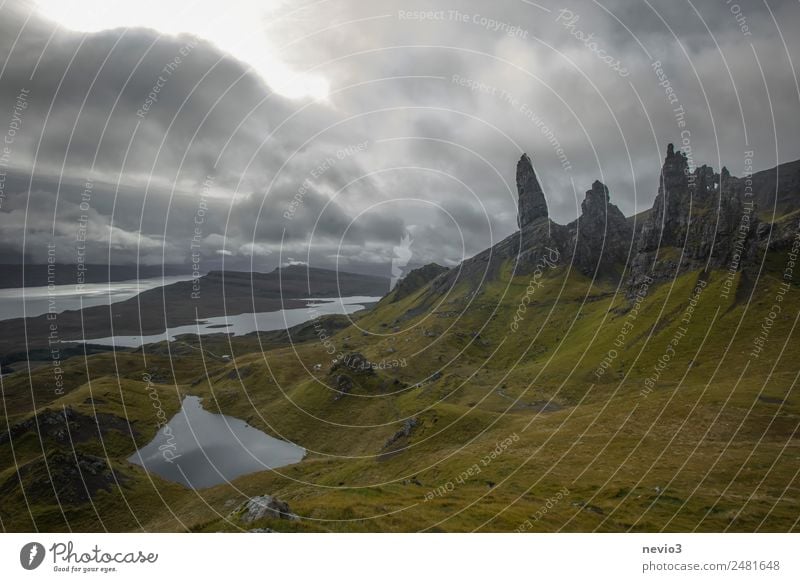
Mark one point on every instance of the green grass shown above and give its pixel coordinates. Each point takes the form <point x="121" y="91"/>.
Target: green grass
<point x="720" y="456"/>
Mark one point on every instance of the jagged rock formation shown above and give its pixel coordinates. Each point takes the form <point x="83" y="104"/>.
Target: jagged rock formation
<point x="532" y="204"/>
<point x="601" y="237"/>
<point x="596" y="244"/>
<point x="700" y="220"/>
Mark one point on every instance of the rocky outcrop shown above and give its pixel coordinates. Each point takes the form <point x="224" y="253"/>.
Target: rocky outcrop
<point x="263" y="507"/>
<point x="601" y="237"/>
<point x="700" y="220"/>
<point x="68" y="425"/>
<point x="532" y="203"/>
<point x="405" y="431"/>
<point x="597" y="243"/>
<point x="345" y="368"/>
<point x="66" y="478"/>
<point x="416" y="280"/>
<point x="344" y="385"/>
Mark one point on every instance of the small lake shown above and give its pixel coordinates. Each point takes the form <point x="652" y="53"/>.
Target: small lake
<point x="199" y="449"/>
<point x="35" y="301"/>
<point x="246" y="322"/>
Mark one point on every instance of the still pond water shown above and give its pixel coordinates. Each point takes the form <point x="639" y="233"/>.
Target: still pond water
<point x="199" y="449"/>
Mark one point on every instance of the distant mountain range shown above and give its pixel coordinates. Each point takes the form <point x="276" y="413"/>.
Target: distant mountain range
<point x="36" y="275"/>
<point x="213" y="295"/>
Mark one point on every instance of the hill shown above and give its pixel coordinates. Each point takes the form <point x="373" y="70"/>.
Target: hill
<point x="215" y="294"/>
<point x="580" y="377"/>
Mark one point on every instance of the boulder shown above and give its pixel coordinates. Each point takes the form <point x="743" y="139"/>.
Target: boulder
<point x="265" y="506"/>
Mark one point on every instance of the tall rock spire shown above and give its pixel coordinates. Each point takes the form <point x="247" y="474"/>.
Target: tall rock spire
<point x="532" y="205"/>
<point x="674" y="173"/>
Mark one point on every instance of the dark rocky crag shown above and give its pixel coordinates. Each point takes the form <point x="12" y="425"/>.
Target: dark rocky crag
<point x="700" y="220"/>
<point x="597" y="244"/>
<point x="601" y="237"/>
<point x="695" y="222"/>
<point x="532" y="203"/>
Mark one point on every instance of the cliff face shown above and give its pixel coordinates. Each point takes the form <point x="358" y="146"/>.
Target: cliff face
<point x="700" y="220"/>
<point x="706" y="221"/>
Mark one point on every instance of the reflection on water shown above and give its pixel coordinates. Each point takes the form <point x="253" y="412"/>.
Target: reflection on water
<point x="246" y="322"/>
<point x="199" y="449"/>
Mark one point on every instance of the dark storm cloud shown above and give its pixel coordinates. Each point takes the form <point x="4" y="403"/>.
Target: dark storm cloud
<point x="426" y="119"/>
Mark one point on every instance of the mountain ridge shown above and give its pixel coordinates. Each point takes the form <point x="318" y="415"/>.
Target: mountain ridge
<point x="653" y="411"/>
<point x="713" y="217"/>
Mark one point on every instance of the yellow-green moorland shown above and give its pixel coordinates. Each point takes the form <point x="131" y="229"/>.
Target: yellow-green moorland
<point x="565" y="424"/>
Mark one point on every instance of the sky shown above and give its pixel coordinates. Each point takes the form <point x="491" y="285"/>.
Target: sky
<point x="361" y="135"/>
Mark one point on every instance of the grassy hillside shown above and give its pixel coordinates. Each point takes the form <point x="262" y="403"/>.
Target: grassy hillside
<point x="481" y="425"/>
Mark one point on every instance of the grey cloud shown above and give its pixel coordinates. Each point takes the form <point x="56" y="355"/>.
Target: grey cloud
<point x="392" y="88"/>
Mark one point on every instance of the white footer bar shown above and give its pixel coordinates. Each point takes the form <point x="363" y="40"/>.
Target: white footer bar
<point x="401" y="557"/>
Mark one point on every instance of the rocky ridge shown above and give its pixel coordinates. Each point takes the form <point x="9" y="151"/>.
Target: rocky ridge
<point x="700" y="220"/>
